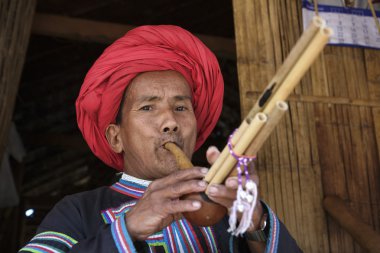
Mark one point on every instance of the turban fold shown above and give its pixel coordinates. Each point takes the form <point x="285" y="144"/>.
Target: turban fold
<point x="143" y="49"/>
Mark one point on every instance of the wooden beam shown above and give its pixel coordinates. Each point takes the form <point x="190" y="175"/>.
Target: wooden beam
<point x="16" y="19"/>
<point x="107" y="32"/>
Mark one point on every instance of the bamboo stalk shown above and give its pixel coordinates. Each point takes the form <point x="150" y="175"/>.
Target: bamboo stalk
<point x="302" y="46"/>
<point x="297" y="63"/>
<point x="299" y="69"/>
<point x="292" y="58"/>
<point x="273" y="119"/>
<point x="246" y="138"/>
<point x="225" y="153"/>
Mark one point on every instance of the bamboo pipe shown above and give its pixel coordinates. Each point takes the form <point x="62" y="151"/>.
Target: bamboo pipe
<point x="245" y="139"/>
<point x="210" y="212"/>
<point x="299" y="69"/>
<point x="281" y="90"/>
<point x="273" y="119"/>
<point x="299" y="48"/>
<point x="360" y="231"/>
<point x="225" y="153"/>
<point x="292" y="58"/>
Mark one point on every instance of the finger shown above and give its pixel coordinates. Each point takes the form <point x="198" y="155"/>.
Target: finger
<point x="178" y="176"/>
<point x="232" y="182"/>
<point x="221" y="191"/>
<point x="222" y="195"/>
<point x="212" y="154"/>
<point x="177" y="190"/>
<point x="179" y="206"/>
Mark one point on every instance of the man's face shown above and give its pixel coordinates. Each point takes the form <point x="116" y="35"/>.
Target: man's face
<point x="157" y="109"/>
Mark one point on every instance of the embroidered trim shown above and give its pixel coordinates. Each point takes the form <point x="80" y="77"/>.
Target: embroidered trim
<point x="274" y="231"/>
<point x="136" y="180"/>
<point x="121" y="237"/>
<point x="111" y="214"/>
<point x="179" y="236"/>
<point x="39" y="243"/>
<point x="40" y="248"/>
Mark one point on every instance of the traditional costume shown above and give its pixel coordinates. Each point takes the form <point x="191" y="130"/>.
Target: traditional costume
<point x="94" y="221"/>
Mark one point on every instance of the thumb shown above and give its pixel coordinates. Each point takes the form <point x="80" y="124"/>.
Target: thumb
<point x="212" y="154"/>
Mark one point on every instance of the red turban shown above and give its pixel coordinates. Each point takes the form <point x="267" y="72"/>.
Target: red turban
<point x="143" y="49"/>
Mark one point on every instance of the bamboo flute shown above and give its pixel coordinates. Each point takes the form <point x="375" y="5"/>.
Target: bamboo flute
<point x="302" y="46"/>
<point x="292" y="58"/>
<point x="274" y="118"/>
<point x="299" y="69"/>
<point x="252" y="130"/>
<point x="290" y="73"/>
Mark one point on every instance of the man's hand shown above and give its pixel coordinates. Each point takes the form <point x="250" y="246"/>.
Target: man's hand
<point x="160" y="204"/>
<point x="225" y="194"/>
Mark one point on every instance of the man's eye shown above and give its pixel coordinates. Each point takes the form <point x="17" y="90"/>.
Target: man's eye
<point x="146" y="108"/>
<point x="180" y="108"/>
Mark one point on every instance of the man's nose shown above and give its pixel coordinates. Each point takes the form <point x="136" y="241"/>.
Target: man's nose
<point x="170" y="124"/>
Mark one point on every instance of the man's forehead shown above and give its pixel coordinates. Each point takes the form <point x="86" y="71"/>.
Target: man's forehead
<point x="159" y="84"/>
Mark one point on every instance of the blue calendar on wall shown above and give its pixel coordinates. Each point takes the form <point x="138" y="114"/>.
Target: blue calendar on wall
<point x="352" y="26"/>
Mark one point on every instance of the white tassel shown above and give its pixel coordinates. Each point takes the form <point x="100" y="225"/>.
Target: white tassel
<point x="245" y="203"/>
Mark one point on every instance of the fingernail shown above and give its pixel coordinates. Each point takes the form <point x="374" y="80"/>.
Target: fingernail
<point x="204" y="170"/>
<point x="202" y="183"/>
<point x="196" y="204"/>
<point x="212" y="190"/>
<point x="212" y="149"/>
<point x="231" y="182"/>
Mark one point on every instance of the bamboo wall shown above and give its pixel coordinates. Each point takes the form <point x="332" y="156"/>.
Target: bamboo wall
<point x="329" y="142"/>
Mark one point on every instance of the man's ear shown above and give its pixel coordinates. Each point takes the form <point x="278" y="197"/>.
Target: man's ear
<point x="114" y="138"/>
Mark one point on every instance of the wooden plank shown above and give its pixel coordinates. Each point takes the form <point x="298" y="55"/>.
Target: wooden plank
<point x="15" y="26"/>
<point x="107" y="32"/>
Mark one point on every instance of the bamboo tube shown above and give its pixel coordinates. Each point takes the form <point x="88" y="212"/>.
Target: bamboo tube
<point x="273" y="119"/>
<point x="361" y="232"/>
<point x="299" y="48"/>
<point x="299" y="69"/>
<point x="281" y="91"/>
<point x="245" y="139"/>
<point x="225" y="153"/>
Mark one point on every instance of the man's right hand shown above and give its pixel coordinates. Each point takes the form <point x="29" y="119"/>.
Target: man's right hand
<point x="161" y="203"/>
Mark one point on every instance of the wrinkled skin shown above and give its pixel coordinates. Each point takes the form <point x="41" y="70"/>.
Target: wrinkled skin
<point x="158" y="109"/>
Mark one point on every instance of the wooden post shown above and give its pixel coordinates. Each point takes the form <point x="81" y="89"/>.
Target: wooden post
<point x="15" y="27"/>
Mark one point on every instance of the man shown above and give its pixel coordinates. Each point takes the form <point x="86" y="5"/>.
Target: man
<point x="157" y="84"/>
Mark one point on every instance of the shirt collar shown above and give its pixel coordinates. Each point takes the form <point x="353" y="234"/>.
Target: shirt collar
<point x="131" y="186"/>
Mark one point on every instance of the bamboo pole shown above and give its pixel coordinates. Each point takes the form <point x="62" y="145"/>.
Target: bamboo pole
<point x="278" y="112"/>
<point x="300" y="59"/>
<point x="301" y="46"/>
<point x="246" y="138"/>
